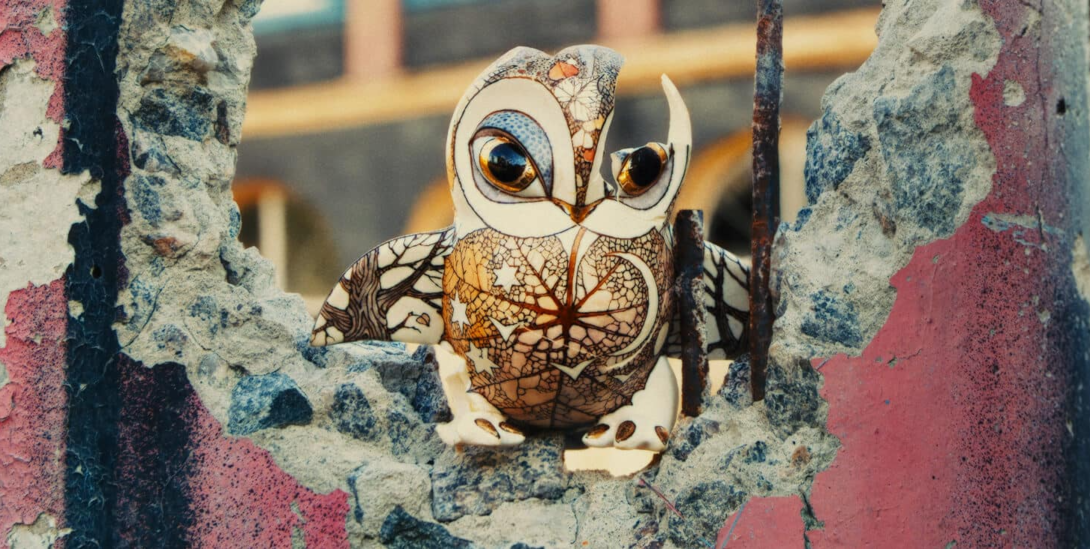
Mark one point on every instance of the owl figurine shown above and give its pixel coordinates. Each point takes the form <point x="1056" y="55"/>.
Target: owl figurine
<point x="550" y="301"/>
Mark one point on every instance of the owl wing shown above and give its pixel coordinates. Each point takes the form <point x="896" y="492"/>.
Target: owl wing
<point x="726" y="304"/>
<point x="393" y="293"/>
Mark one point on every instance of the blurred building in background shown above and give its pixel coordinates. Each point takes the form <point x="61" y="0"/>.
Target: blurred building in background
<point x="350" y="101"/>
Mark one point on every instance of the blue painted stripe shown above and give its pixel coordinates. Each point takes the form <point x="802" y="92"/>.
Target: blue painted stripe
<point x="93" y="143"/>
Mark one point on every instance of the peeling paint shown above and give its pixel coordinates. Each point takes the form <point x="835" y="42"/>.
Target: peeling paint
<point x="32" y="408"/>
<point x="28" y="139"/>
<point x="23" y="26"/>
<point x="40" y="534"/>
<point x="1080" y="267"/>
<point x="974" y="437"/>
<point x="39" y="202"/>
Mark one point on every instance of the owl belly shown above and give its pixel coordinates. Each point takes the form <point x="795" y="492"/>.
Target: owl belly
<point x="560" y="330"/>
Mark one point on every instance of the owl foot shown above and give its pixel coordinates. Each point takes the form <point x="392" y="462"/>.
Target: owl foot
<point x="646" y="423"/>
<point x="627" y="433"/>
<point x="480" y="429"/>
<point x="476" y="421"/>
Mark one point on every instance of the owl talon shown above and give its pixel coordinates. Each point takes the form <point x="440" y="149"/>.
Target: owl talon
<point x="628" y="434"/>
<point x="487" y="426"/>
<point x="662" y="433"/>
<point x="510" y="428"/>
<point x="476" y="422"/>
<point x="646" y="423"/>
<point x="625" y="431"/>
<point x="480" y="429"/>
<point x="596" y="432"/>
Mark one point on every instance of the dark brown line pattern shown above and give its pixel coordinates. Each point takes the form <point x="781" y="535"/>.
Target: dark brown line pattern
<point x="366" y="314"/>
<point x="574" y="316"/>
<point x="718" y="281"/>
<point x="716" y="274"/>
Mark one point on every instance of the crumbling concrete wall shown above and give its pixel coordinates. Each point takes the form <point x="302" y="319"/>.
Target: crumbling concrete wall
<point x="931" y="284"/>
<point x="158" y="389"/>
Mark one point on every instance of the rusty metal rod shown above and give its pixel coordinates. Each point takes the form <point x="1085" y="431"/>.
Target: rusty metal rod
<point x="689" y="268"/>
<point x="768" y="92"/>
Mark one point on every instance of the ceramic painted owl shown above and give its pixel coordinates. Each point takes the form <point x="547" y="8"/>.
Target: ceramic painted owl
<point x="550" y="301"/>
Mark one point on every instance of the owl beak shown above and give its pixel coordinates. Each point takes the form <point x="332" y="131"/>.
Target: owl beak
<point x="577" y="212"/>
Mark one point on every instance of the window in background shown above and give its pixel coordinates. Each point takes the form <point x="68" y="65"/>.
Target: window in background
<point x="286" y="15"/>
<point x="440" y="32"/>
<point x="422" y="5"/>
<point x="299" y="42"/>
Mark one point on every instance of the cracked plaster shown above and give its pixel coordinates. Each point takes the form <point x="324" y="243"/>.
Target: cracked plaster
<point x="27" y="140"/>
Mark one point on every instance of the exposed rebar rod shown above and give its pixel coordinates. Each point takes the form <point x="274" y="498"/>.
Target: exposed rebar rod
<point x="768" y="91"/>
<point x="689" y="268"/>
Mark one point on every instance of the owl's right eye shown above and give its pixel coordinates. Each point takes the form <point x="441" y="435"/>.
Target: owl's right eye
<point x="506" y="165"/>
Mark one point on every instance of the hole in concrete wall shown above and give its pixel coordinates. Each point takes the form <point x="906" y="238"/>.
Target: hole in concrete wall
<point x="1061" y="107"/>
<point x="96" y="271"/>
<point x="224" y="334"/>
<point x="733" y="451"/>
<point x="729" y="224"/>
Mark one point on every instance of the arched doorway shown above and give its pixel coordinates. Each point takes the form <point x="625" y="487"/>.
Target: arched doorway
<point x="719" y="182"/>
<point x="291" y="234"/>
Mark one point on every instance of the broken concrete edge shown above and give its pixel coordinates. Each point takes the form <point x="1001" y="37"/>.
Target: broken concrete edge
<point x="952" y="387"/>
<point x="874" y="158"/>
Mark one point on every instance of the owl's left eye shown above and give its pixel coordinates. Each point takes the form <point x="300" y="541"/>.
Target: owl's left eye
<point x="506" y="165"/>
<point x="642" y="168"/>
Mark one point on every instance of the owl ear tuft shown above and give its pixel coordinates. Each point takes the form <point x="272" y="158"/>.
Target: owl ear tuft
<point x="681" y="127"/>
